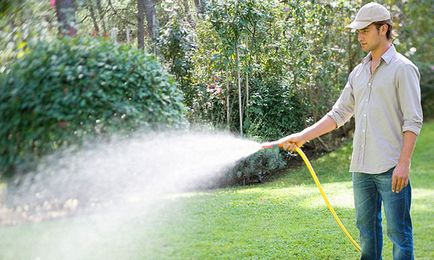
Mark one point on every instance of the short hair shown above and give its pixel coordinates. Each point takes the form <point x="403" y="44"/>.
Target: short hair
<point x="389" y="33"/>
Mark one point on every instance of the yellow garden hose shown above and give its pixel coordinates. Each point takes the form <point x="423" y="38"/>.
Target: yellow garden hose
<point x="321" y="190"/>
<point x="326" y="200"/>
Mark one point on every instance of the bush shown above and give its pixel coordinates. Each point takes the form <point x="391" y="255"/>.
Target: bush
<point x="67" y="89"/>
<point x="257" y="166"/>
<point x="274" y="111"/>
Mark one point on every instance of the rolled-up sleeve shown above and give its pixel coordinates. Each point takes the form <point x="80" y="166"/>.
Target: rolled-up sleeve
<point x="409" y="98"/>
<point x="343" y="109"/>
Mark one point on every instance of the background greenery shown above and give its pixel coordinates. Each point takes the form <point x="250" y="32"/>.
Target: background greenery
<point x="273" y="66"/>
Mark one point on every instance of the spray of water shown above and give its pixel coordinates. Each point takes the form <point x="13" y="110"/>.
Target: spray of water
<point x="117" y="181"/>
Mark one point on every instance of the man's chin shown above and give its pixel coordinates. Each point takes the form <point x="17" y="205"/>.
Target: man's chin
<point x="364" y="48"/>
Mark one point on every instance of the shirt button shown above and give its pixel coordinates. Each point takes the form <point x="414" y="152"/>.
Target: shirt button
<point x="364" y="115"/>
<point x="363" y="131"/>
<point x="369" y="84"/>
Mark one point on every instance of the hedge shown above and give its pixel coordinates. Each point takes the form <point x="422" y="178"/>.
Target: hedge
<point x="68" y="89"/>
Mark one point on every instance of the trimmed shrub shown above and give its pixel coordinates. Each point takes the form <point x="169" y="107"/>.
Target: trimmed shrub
<point x="67" y="89"/>
<point x="257" y="167"/>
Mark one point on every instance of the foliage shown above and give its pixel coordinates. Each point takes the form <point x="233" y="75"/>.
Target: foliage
<point x="415" y="30"/>
<point x="208" y="104"/>
<point x="7" y="6"/>
<point x="64" y="90"/>
<point x="300" y="45"/>
<point x="274" y="111"/>
<point x="176" y="45"/>
<point x="289" y="53"/>
<point x="26" y="22"/>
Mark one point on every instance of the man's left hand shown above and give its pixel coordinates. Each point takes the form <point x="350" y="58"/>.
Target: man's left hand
<point x="400" y="177"/>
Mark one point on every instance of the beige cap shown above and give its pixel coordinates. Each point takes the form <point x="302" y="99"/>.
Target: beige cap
<point x="368" y="14"/>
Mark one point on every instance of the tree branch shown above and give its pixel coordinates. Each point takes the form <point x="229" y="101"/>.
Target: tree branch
<point x="118" y="15"/>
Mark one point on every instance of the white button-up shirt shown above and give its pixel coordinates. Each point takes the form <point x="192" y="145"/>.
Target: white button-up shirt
<point x="384" y="104"/>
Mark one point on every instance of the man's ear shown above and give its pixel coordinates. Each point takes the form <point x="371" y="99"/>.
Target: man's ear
<point x="384" y="28"/>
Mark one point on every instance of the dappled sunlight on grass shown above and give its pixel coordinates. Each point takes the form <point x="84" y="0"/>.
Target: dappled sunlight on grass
<point x="340" y="195"/>
<point x="338" y="201"/>
<point x="419" y="194"/>
<point x="287" y="195"/>
<point x="305" y="196"/>
<point x="423" y="200"/>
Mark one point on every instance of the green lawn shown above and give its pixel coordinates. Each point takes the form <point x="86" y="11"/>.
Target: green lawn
<point x="282" y="219"/>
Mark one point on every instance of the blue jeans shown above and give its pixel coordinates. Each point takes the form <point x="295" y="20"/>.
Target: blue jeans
<point x="369" y="191"/>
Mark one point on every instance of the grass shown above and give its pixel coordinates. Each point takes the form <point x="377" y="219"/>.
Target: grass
<point x="282" y="219"/>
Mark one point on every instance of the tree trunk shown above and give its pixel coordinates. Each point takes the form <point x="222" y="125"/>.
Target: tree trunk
<point x="141" y="24"/>
<point x="114" y="34"/>
<point x="240" y="106"/>
<point x="247" y="90"/>
<point x="101" y="17"/>
<point x="199" y="7"/>
<point x="349" y="68"/>
<point x="350" y="38"/>
<point x="127" y="31"/>
<point x="92" y="15"/>
<point x="188" y="13"/>
<point x="228" y="104"/>
<point x="65" y="12"/>
<point x="151" y="19"/>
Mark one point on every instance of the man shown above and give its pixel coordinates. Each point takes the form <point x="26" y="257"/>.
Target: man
<point x="383" y="94"/>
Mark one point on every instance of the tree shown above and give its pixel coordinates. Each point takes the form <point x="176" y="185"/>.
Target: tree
<point x="101" y="16"/>
<point x="141" y="23"/>
<point x="199" y="7"/>
<point x="187" y="13"/>
<point x="90" y="6"/>
<point x="151" y="19"/>
<point x="146" y="8"/>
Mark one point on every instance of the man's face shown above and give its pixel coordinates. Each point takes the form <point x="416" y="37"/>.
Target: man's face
<point x="369" y="37"/>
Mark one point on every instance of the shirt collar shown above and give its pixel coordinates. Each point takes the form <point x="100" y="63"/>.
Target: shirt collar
<point x="387" y="56"/>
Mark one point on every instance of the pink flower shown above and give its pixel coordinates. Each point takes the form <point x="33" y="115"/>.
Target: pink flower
<point x="53" y="3"/>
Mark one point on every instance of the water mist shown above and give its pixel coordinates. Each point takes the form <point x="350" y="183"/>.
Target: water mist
<point x="104" y="186"/>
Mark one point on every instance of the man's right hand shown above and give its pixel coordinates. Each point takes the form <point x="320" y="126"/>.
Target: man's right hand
<point x="291" y="142"/>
